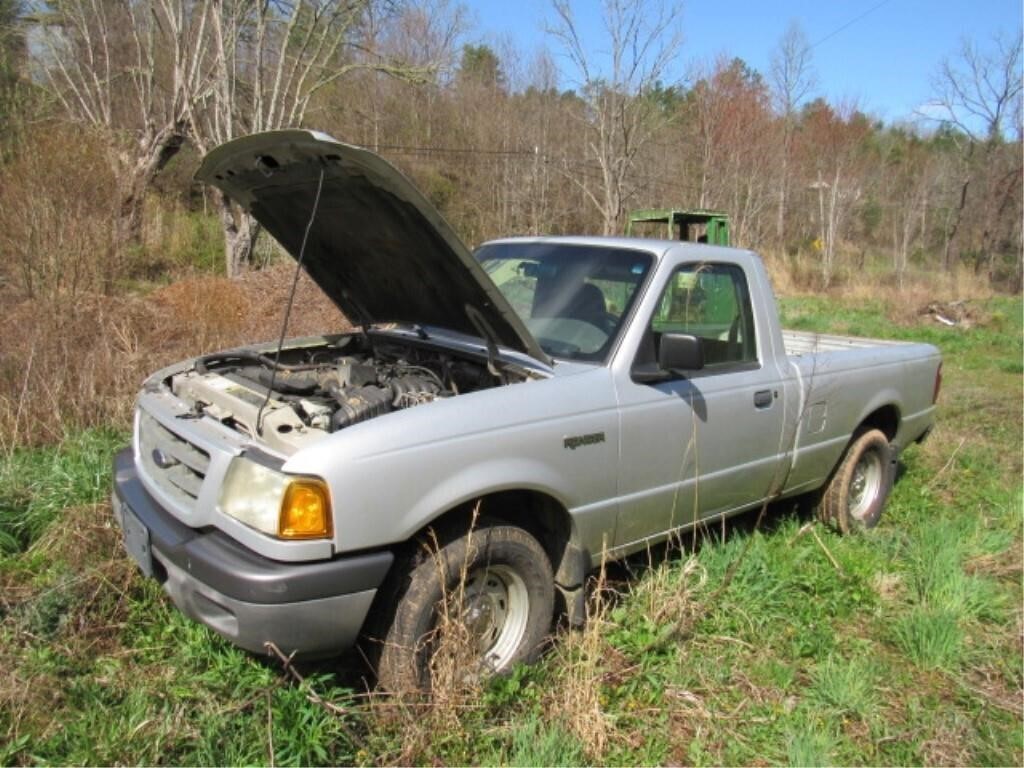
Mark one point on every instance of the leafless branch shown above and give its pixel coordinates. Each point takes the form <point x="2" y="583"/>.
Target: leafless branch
<point x="978" y="91"/>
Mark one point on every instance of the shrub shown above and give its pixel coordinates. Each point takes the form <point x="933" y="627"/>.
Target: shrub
<point x="58" y="214"/>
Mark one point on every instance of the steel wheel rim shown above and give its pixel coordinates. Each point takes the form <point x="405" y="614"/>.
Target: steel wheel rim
<point x="865" y="484"/>
<point x="496" y="613"/>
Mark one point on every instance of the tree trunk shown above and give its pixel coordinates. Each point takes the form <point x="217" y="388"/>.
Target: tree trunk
<point x="613" y="205"/>
<point x="948" y="255"/>
<point x="153" y="155"/>
<point x="780" y="220"/>
<point x="240" y="233"/>
<point x="1005" y="188"/>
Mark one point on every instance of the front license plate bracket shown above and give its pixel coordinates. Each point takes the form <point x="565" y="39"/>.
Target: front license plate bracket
<point x="136" y="541"/>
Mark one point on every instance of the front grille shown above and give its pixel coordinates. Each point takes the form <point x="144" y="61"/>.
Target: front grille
<point x="172" y="462"/>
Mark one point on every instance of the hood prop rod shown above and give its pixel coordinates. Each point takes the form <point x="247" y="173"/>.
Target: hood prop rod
<point x="288" y="309"/>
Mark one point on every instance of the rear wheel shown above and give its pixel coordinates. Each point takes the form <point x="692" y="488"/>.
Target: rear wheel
<point x="856" y="495"/>
<point x="475" y="605"/>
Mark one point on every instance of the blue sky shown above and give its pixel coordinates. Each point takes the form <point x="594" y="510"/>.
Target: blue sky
<point x="884" y="61"/>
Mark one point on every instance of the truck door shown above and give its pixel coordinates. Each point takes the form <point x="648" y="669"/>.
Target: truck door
<point x="708" y="443"/>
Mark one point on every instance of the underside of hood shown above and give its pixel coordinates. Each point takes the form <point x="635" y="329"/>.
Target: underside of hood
<point x="376" y="247"/>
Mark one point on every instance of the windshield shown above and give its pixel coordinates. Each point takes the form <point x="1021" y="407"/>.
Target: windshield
<point x="572" y="298"/>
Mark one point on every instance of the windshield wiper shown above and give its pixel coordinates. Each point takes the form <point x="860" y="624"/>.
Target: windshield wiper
<point x="556" y="348"/>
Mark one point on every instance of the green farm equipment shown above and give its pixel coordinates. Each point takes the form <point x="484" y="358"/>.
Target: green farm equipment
<point x="695" y="225"/>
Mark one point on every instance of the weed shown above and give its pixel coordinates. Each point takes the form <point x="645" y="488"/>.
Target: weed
<point x="577" y="700"/>
<point x="845" y="685"/>
<point x="930" y="637"/>
<point x="37" y="484"/>
<point x="535" y="742"/>
<point x="48" y="612"/>
<point x="809" y="748"/>
<point x="59" y="239"/>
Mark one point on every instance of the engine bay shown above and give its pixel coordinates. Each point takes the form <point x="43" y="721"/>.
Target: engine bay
<point x="311" y="390"/>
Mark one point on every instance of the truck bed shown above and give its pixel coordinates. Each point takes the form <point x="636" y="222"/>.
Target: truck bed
<point x="798" y="343"/>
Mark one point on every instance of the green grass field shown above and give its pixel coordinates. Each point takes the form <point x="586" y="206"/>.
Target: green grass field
<point x="900" y="646"/>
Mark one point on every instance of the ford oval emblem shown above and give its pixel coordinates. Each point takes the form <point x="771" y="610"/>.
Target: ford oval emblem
<point x="163" y="460"/>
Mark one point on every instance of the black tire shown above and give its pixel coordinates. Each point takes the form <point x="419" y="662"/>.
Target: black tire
<point x="855" y="496"/>
<point x="506" y="586"/>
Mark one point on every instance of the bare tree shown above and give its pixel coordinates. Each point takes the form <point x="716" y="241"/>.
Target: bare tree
<point x="129" y="68"/>
<point x="792" y="79"/>
<point x="977" y="93"/>
<point x="642" y="40"/>
<point x="13" y="53"/>
<point x="271" y="60"/>
<point x="155" y="73"/>
<point x="729" y="114"/>
<point x="834" y="152"/>
<point x="540" y="184"/>
<point x="910" y="179"/>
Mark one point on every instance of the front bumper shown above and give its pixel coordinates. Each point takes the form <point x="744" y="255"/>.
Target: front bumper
<point x="309" y="608"/>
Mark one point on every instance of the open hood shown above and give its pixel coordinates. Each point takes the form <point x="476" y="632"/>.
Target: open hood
<point x="377" y="248"/>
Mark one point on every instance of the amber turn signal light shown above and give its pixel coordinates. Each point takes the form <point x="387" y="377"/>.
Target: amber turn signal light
<point x="305" y="511"/>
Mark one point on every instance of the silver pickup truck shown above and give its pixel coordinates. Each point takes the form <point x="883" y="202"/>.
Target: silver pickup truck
<point x="499" y="421"/>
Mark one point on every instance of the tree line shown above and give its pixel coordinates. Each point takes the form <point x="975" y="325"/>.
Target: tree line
<point x="105" y="98"/>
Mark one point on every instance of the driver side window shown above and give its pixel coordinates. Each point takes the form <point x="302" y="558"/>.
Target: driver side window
<point x="710" y="301"/>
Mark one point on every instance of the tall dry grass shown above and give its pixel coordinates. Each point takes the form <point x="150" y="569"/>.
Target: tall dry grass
<point x="796" y="276"/>
<point x="58" y="212"/>
<point x="72" y="362"/>
<point x="576" y="701"/>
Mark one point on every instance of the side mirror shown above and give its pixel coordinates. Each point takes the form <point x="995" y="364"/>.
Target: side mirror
<point x="680" y="352"/>
<point x="677" y="352"/>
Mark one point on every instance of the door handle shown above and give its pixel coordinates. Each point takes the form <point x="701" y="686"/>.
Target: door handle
<point x="763" y="398"/>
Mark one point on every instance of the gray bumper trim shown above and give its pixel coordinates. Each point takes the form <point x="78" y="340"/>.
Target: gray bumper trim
<point x="220" y="562"/>
<point x="309" y="628"/>
<point x="314" y="608"/>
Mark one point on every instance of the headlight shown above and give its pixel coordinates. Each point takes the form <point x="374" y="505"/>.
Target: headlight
<point x="285" y="506"/>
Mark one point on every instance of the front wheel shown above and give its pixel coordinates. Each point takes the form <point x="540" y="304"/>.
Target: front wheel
<point x="481" y="602"/>
<point x="856" y="495"/>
